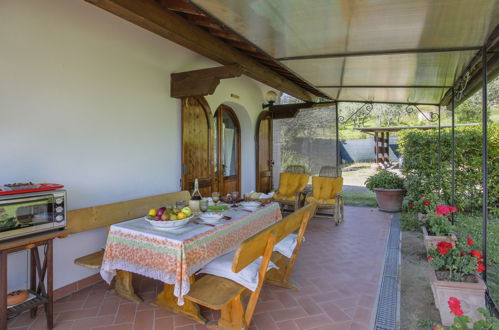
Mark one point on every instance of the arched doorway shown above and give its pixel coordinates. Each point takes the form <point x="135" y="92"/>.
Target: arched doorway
<point x="227" y="146"/>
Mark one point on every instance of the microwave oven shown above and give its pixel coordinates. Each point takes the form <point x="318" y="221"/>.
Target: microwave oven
<point x="29" y="213"/>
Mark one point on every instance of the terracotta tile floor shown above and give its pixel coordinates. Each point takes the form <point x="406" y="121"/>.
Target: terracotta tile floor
<point x="337" y="271"/>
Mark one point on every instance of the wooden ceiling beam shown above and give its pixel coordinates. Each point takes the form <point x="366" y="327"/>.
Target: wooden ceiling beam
<point x="171" y="26"/>
<point x="225" y="35"/>
<point x="181" y="7"/>
<point x="201" y="82"/>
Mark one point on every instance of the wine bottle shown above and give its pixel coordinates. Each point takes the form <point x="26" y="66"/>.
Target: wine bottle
<point x="196" y="195"/>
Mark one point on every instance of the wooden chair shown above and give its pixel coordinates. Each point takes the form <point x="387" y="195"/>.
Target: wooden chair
<point x="291" y="190"/>
<point x="326" y="192"/>
<point x="222" y="294"/>
<point x="299" y="169"/>
<point x="296" y="221"/>
<point x="330" y="171"/>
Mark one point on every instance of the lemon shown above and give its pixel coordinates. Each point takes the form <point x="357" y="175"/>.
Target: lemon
<point x="152" y="212"/>
<point x="181" y="215"/>
<point x="187" y="211"/>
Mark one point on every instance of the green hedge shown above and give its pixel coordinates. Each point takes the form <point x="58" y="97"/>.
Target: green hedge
<point x="420" y="165"/>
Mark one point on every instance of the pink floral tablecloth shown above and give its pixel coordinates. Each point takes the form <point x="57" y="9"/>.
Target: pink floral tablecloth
<point x="172" y="256"/>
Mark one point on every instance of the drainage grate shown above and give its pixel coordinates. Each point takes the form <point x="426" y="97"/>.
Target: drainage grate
<point x="387" y="313"/>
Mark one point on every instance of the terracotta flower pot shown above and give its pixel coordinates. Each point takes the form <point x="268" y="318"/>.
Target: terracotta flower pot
<point x="471" y="295"/>
<point x="432" y="241"/>
<point x="389" y="200"/>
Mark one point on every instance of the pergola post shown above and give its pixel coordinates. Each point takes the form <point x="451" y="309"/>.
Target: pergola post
<point x="338" y="152"/>
<point x="484" y="160"/>
<point x="439" y="156"/>
<point x="453" y="167"/>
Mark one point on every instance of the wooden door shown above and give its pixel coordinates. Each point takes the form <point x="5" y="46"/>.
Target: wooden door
<point x="264" y="159"/>
<point x="197" y="145"/>
<point x="227" y="155"/>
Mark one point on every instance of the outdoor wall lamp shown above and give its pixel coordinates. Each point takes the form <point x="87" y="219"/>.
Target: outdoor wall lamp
<point x="270" y="97"/>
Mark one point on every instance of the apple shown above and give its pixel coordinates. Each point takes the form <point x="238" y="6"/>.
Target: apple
<point x="161" y="210"/>
<point x="158" y="217"/>
<point x="164" y="216"/>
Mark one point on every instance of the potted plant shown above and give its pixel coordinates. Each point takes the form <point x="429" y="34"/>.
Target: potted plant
<point x="389" y="189"/>
<point x="454" y="273"/>
<point x="425" y="205"/>
<point x="462" y="321"/>
<point x="437" y="228"/>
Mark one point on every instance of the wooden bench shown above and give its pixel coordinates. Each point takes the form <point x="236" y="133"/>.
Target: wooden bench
<point x="108" y="214"/>
<point x="298" y="220"/>
<point x="222" y="294"/>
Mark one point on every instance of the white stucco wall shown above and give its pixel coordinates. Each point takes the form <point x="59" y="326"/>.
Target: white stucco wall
<point x="84" y="101"/>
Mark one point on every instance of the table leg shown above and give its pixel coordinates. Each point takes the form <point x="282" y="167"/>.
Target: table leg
<point x="124" y="288"/>
<point x="32" y="281"/>
<point x="3" y="290"/>
<point x="49" y="306"/>
<point x="166" y="299"/>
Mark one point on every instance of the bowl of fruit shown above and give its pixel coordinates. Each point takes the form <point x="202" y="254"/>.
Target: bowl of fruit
<point x="169" y="217"/>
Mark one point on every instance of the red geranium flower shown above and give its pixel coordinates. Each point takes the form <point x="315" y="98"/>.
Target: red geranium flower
<point x="429" y="258"/>
<point x="411" y="205"/>
<point x="469" y="241"/>
<point x="445" y="244"/>
<point x="453" y="208"/>
<point x="463" y="253"/>
<point x="455" y="306"/>
<point x="443" y="247"/>
<point x="422" y="195"/>
<point x="442" y="210"/>
<point x="427" y="203"/>
<point x="480" y="266"/>
<point x="477" y="254"/>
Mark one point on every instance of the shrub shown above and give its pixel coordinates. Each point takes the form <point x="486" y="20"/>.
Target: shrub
<point x="420" y="167"/>
<point x="385" y="180"/>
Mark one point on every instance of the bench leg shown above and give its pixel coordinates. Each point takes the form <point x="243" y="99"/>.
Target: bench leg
<point x="232" y="315"/>
<point x="124" y="287"/>
<point x="167" y="300"/>
<point x="279" y="277"/>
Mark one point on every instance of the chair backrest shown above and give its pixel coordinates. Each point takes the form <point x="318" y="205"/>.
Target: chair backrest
<point x="107" y="214"/>
<point x="330" y="171"/>
<point x="291" y="183"/>
<point x="326" y="188"/>
<point x="293" y="222"/>
<point x="300" y="169"/>
<point x="259" y="245"/>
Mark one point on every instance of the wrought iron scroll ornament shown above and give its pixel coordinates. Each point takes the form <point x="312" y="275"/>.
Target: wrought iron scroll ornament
<point x="361" y="112"/>
<point x="412" y="107"/>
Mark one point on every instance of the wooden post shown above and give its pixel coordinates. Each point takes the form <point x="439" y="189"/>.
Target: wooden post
<point x="376" y="151"/>
<point x="387" y="147"/>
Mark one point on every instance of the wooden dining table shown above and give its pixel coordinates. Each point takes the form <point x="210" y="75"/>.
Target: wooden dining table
<point x="173" y="256"/>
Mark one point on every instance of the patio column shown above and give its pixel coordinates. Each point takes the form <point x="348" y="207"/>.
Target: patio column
<point x="439" y="156"/>
<point x="337" y="131"/>
<point x="484" y="161"/>
<point x="453" y="142"/>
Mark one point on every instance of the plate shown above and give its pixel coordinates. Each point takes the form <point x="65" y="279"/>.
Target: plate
<point x="211" y="217"/>
<point x="168" y="224"/>
<point x="250" y="204"/>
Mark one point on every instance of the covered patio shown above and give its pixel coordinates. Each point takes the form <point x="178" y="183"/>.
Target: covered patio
<point x="124" y="102"/>
<point x="338" y="274"/>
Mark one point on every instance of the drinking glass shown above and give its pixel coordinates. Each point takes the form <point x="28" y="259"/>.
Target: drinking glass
<point x="234" y="195"/>
<point x="216" y="197"/>
<point x="203" y="205"/>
